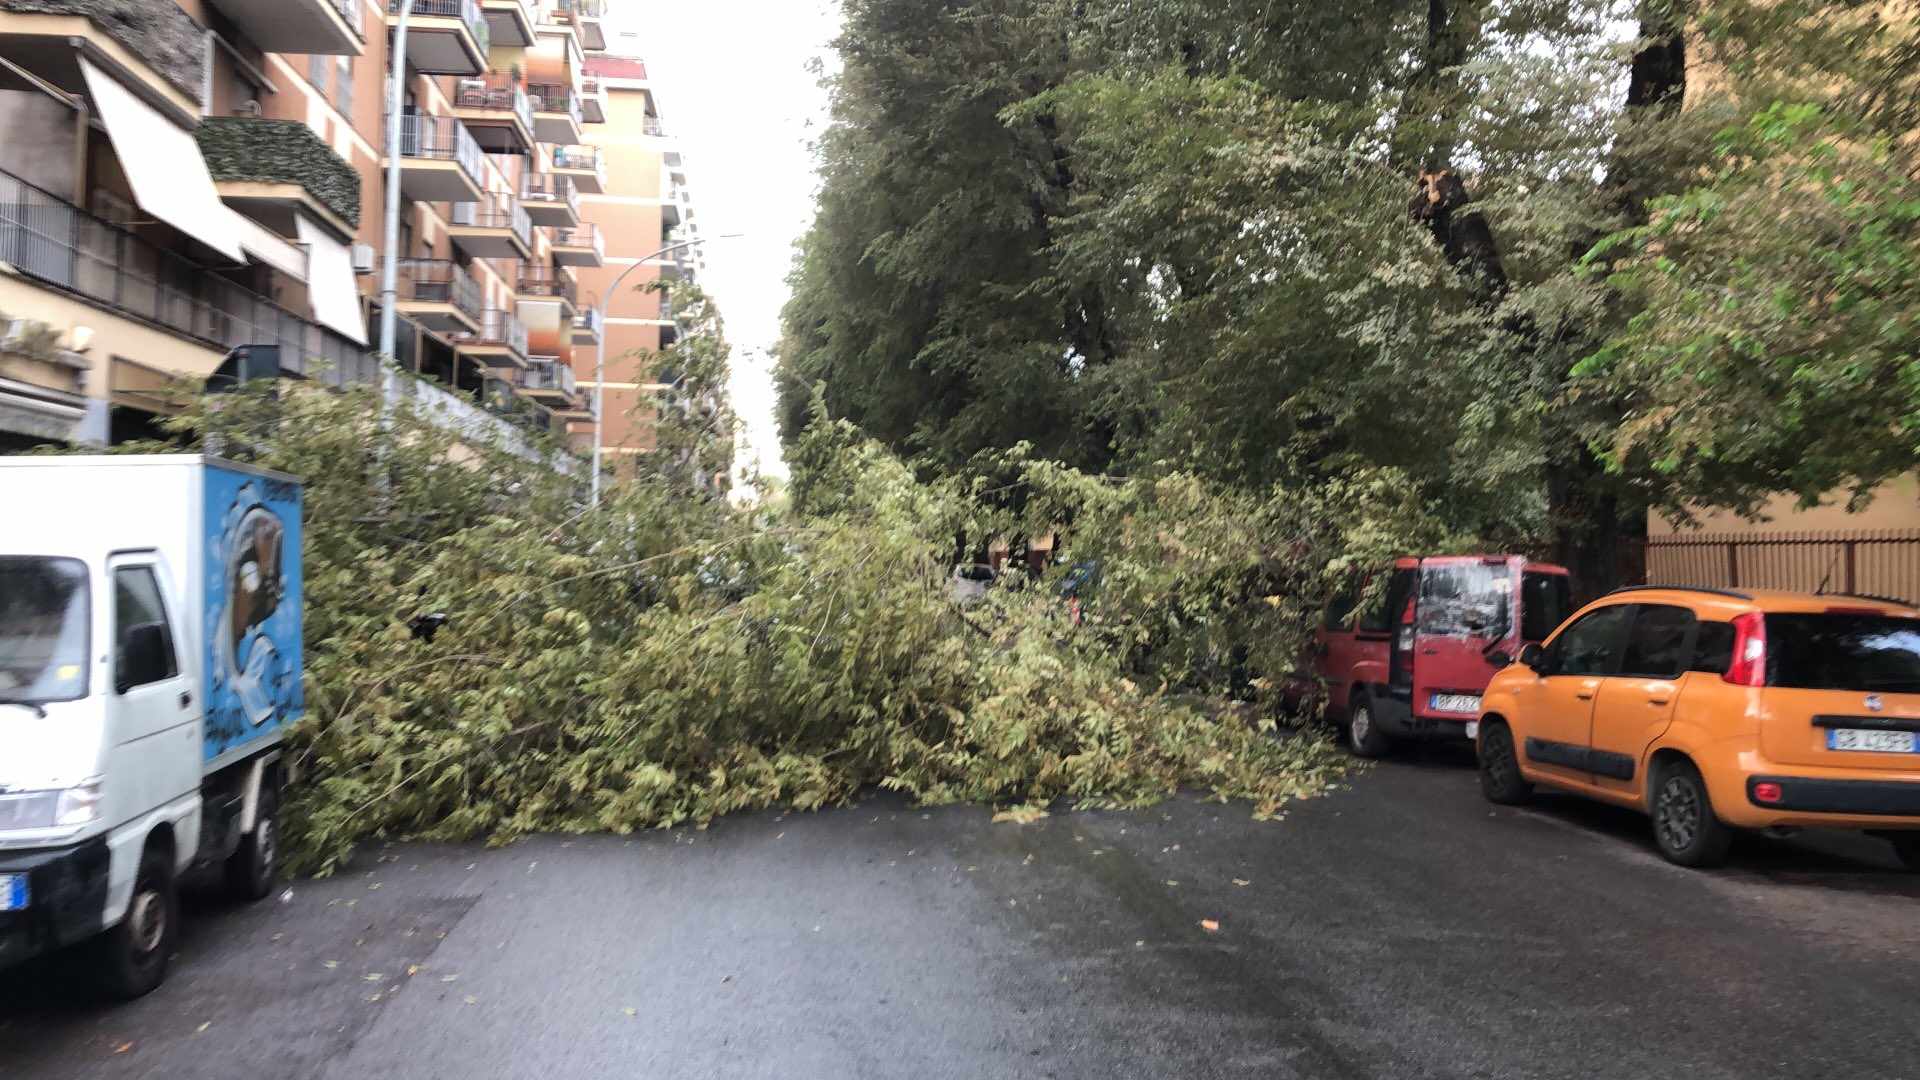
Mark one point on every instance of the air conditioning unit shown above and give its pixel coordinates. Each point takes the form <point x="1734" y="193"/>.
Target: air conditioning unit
<point x="363" y="259"/>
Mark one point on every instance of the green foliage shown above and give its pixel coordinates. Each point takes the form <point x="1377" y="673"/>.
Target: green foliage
<point x="280" y="152"/>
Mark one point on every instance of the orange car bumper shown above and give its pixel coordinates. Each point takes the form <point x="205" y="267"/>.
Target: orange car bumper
<point x="1758" y="794"/>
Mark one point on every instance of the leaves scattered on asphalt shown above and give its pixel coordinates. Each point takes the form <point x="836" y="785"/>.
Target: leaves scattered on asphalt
<point x="1242" y="882"/>
<point x="1211" y="926"/>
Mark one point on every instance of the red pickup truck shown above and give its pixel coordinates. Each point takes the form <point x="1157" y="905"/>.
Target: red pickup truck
<point x="1414" y="663"/>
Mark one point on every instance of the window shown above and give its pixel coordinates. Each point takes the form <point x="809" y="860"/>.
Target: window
<point x="1657" y="647"/>
<point x="1466" y="599"/>
<point x="343" y="89"/>
<point x="1713" y="648"/>
<point x="1865" y="652"/>
<point x="1592" y="645"/>
<point x="317" y="73"/>
<point x="136" y="604"/>
<point x="43" y="629"/>
<point x="1545" y="603"/>
<point x="1380" y="617"/>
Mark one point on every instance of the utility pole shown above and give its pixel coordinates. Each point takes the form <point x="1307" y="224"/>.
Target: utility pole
<point x="390" y="268"/>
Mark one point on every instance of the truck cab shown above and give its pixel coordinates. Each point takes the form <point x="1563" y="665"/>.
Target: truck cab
<point x="1413" y="662"/>
<point x="149" y="662"/>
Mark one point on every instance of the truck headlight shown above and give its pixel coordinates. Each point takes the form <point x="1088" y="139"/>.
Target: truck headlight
<point x="77" y="805"/>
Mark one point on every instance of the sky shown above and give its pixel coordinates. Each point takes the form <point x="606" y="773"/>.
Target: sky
<point x="732" y="81"/>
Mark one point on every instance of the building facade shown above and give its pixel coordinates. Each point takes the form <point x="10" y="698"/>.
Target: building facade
<point x="192" y="185"/>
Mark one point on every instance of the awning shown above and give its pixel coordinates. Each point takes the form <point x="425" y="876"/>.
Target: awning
<point x="164" y="166"/>
<point x="264" y="245"/>
<point x="332" y="286"/>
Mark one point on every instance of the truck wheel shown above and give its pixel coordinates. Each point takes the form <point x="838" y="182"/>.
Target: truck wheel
<point x="133" y="954"/>
<point x="1500" y="779"/>
<point x="1907" y="846"/>
<point x="1685" y="828"/>
<point x="1364" y="736"/>
<point x="252" y="868"/>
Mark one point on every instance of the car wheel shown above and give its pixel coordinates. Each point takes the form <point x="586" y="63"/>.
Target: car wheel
<point x="1907" y="846"/>
<point x="1364" y="736"/>
<point x="1685" y="828"/>
<point x="133" y="954"/>
<point x="251" y="869"/>
<point x="1500" y="779"/>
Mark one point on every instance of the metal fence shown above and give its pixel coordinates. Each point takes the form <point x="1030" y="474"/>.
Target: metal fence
<point x="55" y="242"/>
<point x="467" y="11"/>
<point x="438" y="281"/>
<point x="1867" y="562"/>
<point x="440" y="138"/>
<point x="498" y="211"/>
<point x="539" y="279"/>
<point x="555" y="98"/>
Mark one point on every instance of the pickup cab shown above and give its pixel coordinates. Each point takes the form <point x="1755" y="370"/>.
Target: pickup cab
<point x="150" y="662"/>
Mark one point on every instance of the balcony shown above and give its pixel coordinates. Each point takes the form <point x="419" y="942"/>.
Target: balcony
<point x="275" y="167"/>
<point x="510" y="22"/>
<point x="494" y="228"/>
<point x="584" y="166"/>
<point x="556" y="113"/>
<point x="56" y="246"/>
<point x="593" y="100"/>
<point x="159" y="45"/>
<point x="328" y="27"/>
<point x="581" y="245"/>
<point x="549" y="381"/>
<point x="589" y="326"/>
<point x="445" y="37"/>
<point x="586" y="18"/>
<point x="548" y="283"/>
<point x="497" y="112"/>
<point x="500" y="340"/>
<point x="550" y="200"/>
<point x="651" y="125"/>
<point x="438" y="295"/>
<point x="440" y="162"/>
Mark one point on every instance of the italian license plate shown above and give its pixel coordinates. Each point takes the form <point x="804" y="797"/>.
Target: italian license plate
<point x="1872" y="742"/>
<point x="1457" y="703"/>
<point x="13" y="892"/>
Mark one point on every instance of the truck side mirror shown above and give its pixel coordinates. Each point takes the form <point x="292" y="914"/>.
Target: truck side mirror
<point x="1534" y="657"/>
<point x="143" y="657"/>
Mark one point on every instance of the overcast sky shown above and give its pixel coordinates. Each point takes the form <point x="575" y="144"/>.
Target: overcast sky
<point x="732" y="81"/>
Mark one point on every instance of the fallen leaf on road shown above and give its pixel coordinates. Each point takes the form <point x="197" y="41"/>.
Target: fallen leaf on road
<point x="123" y="1048"/>
<point x="1211" y="926"/>
<point x="329" y="964"/>
<point x="412" y="970"/>
<point x="1020" y="815"/>
<point x="448" y="978"/>
<point x="471" y="1000"/>
<point x="203" y="1027"/>
<point x="287" y="897"/>
<point x="373" y="886"/>
<point x="1173" y="883"/>
<point x="631" y="1011"/>
<point x="373" y="976"/>
<point x="1242" y="882"/>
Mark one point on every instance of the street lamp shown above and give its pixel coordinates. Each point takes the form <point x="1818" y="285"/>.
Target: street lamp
<point x="600" y="360"/>
<point x="390" y="265"/>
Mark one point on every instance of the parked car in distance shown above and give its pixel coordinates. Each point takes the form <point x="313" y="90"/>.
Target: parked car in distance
<point x="1713" y="710"/>
<point x="970" y="582"/>
<point x="1414" y="663"/>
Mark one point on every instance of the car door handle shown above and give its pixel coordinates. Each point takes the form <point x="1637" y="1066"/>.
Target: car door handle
<point x="1658" y="700"/>
<point x="186" y="698"/>
<point x="1583" y="695"/>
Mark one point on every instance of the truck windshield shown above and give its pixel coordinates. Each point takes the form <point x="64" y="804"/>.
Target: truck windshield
<point x="1844" y="652"/>
<point x="1468" y="599"/>
<point x="43" y="630"/>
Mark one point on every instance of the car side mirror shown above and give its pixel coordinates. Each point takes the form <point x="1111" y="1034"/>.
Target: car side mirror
<point x="1534" y="657"/>
<point x="1499" y="658"/>
<point x="143" y="657"/>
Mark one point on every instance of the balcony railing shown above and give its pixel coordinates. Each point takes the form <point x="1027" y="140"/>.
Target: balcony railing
<point x="439" y="281"/>
<point x="440" y="138"/>
<point x="497" y="212"/>
<point x="355" y="15"/>
<point x="498" y="327"/>
<point x="652" y="126"/>
<point x="467" y="11"/>
<point x="585" y="234"/>
<point x="548" y="373"/>
<point x="550" y="189"/>
<point x="576" y="157"/>
<point x="538" y="279"/>
<point x="555" y="97"/>
<point x="56" y="243"/>
<point x="500" y="90"/>
<point x="589" y="319"/>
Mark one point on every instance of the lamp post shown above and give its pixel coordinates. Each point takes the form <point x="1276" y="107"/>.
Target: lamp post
<point x="600" y="360"/>
<point x="390" y="265"/>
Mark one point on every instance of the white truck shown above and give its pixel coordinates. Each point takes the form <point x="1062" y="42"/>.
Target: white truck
<point x="150" y="661"/>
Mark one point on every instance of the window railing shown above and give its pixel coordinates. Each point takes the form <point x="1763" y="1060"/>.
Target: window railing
<point x="497" y="212"/>
<point x="467" y="11"/>
<point x="498" y="90"/>
<point x="589" y="318"/>
<point x="555" y="98"/>
<point x="550" y="189"/>
<point x="354" y="14"/>
<point x="652" y="126"/>
<point x="549" y="373"/>
<point x="62" y="246"/>
<point x="539" y="279"/>
<point x="577" y="157"/>
<point x="439" y="281"/>
<point x="440" y="138"/>
<point x="586" y="234"/>
<point x="498" y="327"/>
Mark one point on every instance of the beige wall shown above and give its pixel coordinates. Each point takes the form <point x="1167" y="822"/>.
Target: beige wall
<point x="1895" y="506"/>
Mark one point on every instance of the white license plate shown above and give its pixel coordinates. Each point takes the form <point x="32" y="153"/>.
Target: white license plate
<point x="1873" y="742"/>
<point x="1457" y="703"/>
<point x="13" y="892"/>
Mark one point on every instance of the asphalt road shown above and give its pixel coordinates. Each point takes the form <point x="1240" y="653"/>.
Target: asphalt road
<point x="1400" y="928"/>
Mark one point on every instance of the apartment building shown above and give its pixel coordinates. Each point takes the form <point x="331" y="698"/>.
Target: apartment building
<point x="192" y="187"/>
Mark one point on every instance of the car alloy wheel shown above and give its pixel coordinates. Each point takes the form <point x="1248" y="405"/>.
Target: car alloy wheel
<point x="1677" y="814"/>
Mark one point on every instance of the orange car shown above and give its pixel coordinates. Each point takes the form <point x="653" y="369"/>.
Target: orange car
<point x="1712" y="710"/>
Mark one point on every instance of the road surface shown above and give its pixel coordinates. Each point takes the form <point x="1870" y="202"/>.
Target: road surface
<point x="1399" y="928"/>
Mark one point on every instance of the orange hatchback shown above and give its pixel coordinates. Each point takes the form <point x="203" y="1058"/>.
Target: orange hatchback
<point x="1712" y="710"/>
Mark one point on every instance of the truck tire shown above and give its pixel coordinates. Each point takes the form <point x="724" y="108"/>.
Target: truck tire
<point x="254" y="866"/>
<point x="1500" y="779"/>
<point x="1364" y="736"/>
<point x="1685" y="828"/>
<point x="132" y="956"/>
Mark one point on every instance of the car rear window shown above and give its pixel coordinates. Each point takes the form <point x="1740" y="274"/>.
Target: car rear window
<point x="1844" y="652"/>
<point x="1465" y="600"/>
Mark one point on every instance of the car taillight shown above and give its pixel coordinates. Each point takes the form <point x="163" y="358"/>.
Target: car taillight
<point x="1767" y="792"/>
<point x="1749" y="666"/>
